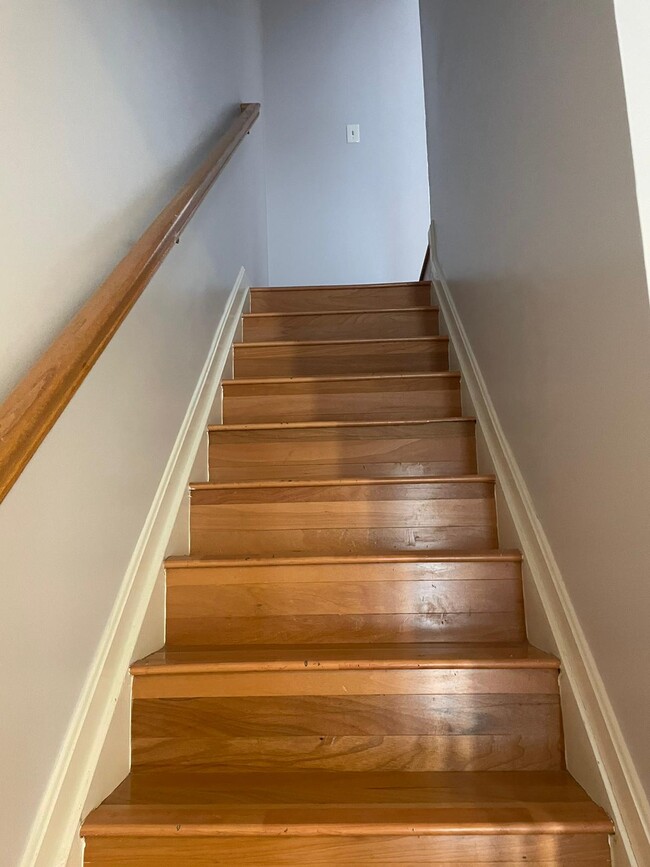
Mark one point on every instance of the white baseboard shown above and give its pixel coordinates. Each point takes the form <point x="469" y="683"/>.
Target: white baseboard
<point x="628" y="802"/>
<point x="57" y="823"/>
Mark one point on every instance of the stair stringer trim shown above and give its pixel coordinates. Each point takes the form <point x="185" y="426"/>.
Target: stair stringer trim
<point x="58" y="821"/>
<point x="627" y="799"/>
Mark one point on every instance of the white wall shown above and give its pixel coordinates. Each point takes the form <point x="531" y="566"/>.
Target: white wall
<point x="337" y="212"/>
<point x="532" y="188"/>
<point x="106" y="108"/>
<point x="633" y="19"/>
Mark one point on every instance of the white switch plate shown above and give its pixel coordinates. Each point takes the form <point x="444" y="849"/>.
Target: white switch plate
<point x="354" y="133"/>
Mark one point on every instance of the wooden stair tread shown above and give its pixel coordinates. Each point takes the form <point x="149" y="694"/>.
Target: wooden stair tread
<point x="333" y="425"/>
<point x="371" y="377"/>
<point x="347" y="677"/>
<point x="252" y="344"/>
<point x="342" y="657"/>
<point x="347" y="803"/>
<point x="326" y="483"/>
<point x="189" y="561"/>
<point x="328" y="287"/>
<point x="364" y="311"/>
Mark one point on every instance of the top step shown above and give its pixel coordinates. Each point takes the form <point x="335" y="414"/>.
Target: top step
<point x="370" y="296"/>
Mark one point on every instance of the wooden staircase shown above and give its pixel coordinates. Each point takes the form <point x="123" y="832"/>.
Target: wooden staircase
<point x="346" y="678"/>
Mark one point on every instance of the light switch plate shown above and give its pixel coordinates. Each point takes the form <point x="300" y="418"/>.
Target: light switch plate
<point x="354" y="133"/>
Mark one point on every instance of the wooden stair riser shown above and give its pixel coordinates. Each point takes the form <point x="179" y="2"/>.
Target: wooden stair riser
<point x="354" y="325"/>
<point x="353" y="603"/>
<point x="533" y="850"/>
<point x="343" y="518"/>
<point x="360" y="451"/>
<point x="330" y="358"/>
<point x="346" y="678"/>
<point x="391" y="398"/>
<point x="303" y="299"/>
<point x="395" y="720"/>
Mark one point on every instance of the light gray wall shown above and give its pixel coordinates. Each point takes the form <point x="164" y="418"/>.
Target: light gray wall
<point x="337" y="212"/>
<point x="532" y="187"/>
<point x="106" y="108"/>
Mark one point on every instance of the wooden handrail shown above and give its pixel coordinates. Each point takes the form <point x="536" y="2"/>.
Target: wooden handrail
<point x="32" y="408"/>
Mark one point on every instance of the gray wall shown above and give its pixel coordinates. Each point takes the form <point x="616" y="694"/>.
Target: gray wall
<point x="106" y="108"/>
<point x="532" y="186"/>
<point x="342" y="213"/>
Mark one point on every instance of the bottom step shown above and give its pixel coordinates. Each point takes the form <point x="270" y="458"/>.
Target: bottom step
<point x="163" y="819"/>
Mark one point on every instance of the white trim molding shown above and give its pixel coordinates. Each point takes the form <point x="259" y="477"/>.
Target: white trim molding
<point x="57" y="822"/>
<point x="628" y="802"/>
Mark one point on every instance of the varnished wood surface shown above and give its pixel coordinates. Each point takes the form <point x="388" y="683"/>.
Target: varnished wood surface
<point x="348" y="804"/>
<point x="513" y="680"/>
<point x="33" y="407"/>
<point x="343" y="516"/>
<point x="344" y="658"/>
<point x="331" y="357"/>
<point x="367" y="628"/>
<point x="424" y="448"/>
<point x="479" y="793"/>
<point x="399" y="708"/>
<point x="301" y="299"/>
<point x="334" y="602"/>
<point x="347" y="678"/>
<point x="318" y="593"/>
<point x="402" y="322"/>
<point x="284" y="818"/>
<point x="444" y="557"/>
<point x="538" y="850"/>
<point x="466" y="611"/>
<point x="538" y="749"/>
<point x="299" y="716"/>
<point x="343" y="398"/>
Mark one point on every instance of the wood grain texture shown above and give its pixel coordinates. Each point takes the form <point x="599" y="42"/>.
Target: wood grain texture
<point x="538" y="749"/>
<point x="390" y="818"/>
<point x="33" y="407"/>
<point x="343" y="450"/>
<point x="353" y="597"/>
<point x="355" y="398"/>
<point x="349" y="516"/>
<point x="337" y="603"/>
<point x="476" y="797"/>
<point x="220" y="659"/>
<point x="348" y="728"/>
<point x="544" y="850"/>
<point x="347" y="678"/>
<point x="344" y="715"/>
<point x="413" y="322"/>
<point x="302" y="299"/>
<point x="356" y="818"/>
<point x="331" y="357"/>
<point x="193" y="621"/>
<point x="354" y="628"/>
<point x="375" y="681"/>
